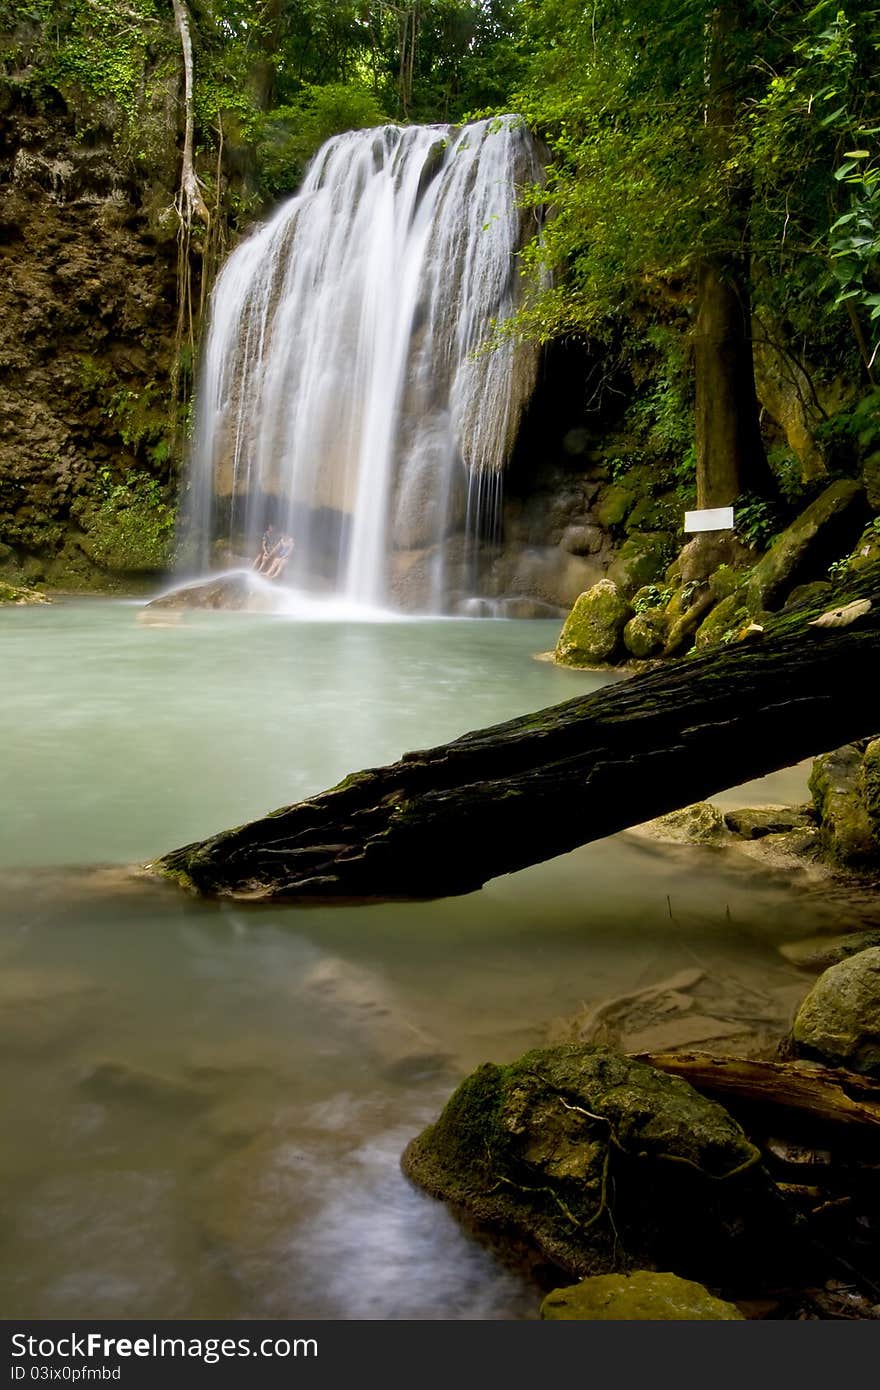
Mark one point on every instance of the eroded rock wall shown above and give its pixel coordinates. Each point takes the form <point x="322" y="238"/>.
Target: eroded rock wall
<point x="87" y="319"/>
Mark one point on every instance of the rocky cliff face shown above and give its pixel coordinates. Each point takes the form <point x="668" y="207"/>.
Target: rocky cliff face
<point x="87" y="314"/>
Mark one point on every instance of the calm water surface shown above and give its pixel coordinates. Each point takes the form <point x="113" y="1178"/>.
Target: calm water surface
<point x="204" y="1105"/>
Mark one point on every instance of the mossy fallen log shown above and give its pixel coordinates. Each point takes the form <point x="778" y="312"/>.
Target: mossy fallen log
<point x="447" y="819"/>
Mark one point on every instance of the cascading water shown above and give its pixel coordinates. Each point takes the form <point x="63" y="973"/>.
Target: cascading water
<point x="343" y="395"/>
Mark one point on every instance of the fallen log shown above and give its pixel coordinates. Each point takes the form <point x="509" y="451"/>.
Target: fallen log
<point x="447" y="819"/>
<point x="825" y="1095"/>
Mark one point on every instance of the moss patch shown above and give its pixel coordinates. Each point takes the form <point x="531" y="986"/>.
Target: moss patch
<point x="594" y="1159"/>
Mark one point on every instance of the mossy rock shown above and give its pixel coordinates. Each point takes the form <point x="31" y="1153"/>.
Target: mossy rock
<point x="867" y="553"/>
<point x="846" y="832"/>
<point x="15" y="593"/>
<point x="753" y="823"/>
<point x="651" y="513"/>
<point x="645" y="634"/>
<point x="871" y="477"/>
<point x="599" y="1161"/>
<point x="614" y="504"/>
<point x="593" y="629"/>
<point x="698" y="824"/>
<point x="728" y="615"/>
<point x="839" y="1021"/>
<point x="805" y="594"/>
<point x="640" y="561"/>
<point x="870" y="786"/>
<point x="643" y="1296"/>
<point x="827" y="529"/>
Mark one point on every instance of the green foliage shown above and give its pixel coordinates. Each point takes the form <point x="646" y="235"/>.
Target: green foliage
<point x="867" y="545"/>
<point x="88" y="47"/>
<point x="858" y="427"/>
<point x="651" y="597"/>
<point x="757" y="520"/>
<point x="128" y="522"/>
<point x="139" y="416"/>
<point x="788" y="473"/>
<point x="290" y="135"/>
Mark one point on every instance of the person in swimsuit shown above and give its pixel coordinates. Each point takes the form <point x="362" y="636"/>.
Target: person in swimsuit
<point x="268" y="544"/>
<point x="279" y="558"/>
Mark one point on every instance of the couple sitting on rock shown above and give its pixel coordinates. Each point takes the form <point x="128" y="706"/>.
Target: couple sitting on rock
<point x="275" y="551"/>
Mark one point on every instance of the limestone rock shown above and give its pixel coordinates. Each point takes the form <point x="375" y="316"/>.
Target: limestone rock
<point x="234" y="591"/>
<point x="594" y="1158"/>
<point x="594" y="627"/>
<point x="582" y="540"/>
<point x="839" y="1021"/>
<point x="643" y="1296"/>
<point x="828" y="528"/>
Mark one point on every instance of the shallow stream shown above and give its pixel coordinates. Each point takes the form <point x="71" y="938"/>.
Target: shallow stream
<point x="204" y="1105"/>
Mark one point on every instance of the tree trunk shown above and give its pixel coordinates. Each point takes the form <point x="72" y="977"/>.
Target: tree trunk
<point x="730" y="452"/>
<point x="448" y="819"/>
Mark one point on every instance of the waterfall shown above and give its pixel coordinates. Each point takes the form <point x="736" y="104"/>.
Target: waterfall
<point x="342" y="393"/>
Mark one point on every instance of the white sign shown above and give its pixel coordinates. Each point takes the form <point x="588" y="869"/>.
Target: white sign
<point x="709" y="519"/>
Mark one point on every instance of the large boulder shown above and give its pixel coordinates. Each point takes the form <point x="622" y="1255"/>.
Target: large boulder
<point x="240" y="590"/>
<point x="827" y="529"/>
<point x="599" y="1161"/>
<point x="593" y="629"/>
<point x="839" y="1021"/>
<point x="643" y="1296"/>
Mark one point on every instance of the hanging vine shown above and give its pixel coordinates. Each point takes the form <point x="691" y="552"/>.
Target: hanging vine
<point x="189" y="205"/>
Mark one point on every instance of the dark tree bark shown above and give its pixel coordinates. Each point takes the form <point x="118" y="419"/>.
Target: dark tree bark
<point x="730" y="452"/>
<point x="445" y="820"/>
<point x="807" y="1093"/>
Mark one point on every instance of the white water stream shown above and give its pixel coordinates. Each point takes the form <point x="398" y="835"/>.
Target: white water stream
<point x="342" y="395"/>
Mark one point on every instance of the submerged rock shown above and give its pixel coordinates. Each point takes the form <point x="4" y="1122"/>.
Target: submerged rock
<point x="594" y="627"/>
<point x="820" y="952"/>
<point x="839" y="1021"/>
<point x="643" y="1296"/>
<point x="595" y="1160"/>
